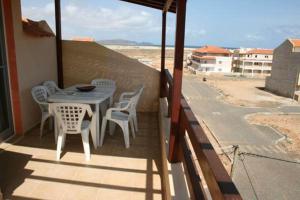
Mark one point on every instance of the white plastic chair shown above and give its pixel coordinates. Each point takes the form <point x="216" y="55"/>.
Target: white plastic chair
<point x="105" y="83"/>
<point x="125" y="97"/>
<point x="69" y="118"/>
<point x="39" y="94"/>
<point x="118" y="116"/>
<point x="52" y="88"/>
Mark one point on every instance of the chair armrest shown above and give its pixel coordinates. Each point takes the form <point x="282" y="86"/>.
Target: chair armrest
<point x="110" y="110"/>
<point x="121" y="104"/>
<point x="126" y="95"/>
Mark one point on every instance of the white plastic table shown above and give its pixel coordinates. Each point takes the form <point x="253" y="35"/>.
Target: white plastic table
<point x="94" y="97"/>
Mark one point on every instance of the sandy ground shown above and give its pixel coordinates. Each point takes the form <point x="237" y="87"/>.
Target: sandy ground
<point x="248" y="92"/>
<point x="285" y="124"/>
<point x="151" y="54"/>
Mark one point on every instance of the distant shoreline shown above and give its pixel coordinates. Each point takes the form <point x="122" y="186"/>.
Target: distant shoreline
<point x="128" y="46"/>
<point x="114" y="46"/>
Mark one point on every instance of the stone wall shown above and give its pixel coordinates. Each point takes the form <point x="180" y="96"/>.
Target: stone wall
<point x="285" y="70"/>
<point x="85" y="61"/>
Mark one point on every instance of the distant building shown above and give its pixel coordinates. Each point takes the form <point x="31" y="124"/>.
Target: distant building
<point x="284" y="79"/>
<point x="247" y="60"/>
<point x="211" y="59"/>
<point x="83" y="39"/>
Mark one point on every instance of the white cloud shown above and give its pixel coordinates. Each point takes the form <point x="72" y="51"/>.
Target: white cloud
<point x="195" y="34"/>
<point x="254" y="37"/>
<point x="78" y="19"/>
<point x="71" y="9"/>
<point x="288" y="31"/>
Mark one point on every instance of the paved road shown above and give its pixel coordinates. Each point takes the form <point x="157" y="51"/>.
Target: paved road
<point x="255" y="177"/>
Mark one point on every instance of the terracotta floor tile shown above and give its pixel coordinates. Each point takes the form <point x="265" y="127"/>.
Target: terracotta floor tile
<point x="114" y="172"/>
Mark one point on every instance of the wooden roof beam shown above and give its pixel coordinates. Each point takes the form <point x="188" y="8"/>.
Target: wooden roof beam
<point x="152" y="4"/>
<point x="168" y="4"/>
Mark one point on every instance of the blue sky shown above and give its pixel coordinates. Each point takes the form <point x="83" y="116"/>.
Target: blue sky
<point x="229" y="23"/>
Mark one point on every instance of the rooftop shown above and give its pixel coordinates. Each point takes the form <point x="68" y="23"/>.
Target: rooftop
<point x="260" y="51"/>
<point x="295" y="42"/>
<point x="36" y="28"/>
<point x="212" y="50"/>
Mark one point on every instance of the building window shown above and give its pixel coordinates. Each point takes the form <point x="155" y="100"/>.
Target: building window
<point x="220" y="69"/>
<point x="255" y="56"/>
<point x="220" y="62"/>
<point x="266" y="56"/>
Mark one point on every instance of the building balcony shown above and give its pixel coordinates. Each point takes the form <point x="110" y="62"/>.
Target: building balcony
<point x="171" y="156"/>
<point x="32" y="172"/>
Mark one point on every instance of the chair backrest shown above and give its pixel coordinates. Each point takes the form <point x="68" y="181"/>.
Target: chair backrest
<point x="139" y="92"/>
<point x="105" y="83"/>
<point x="51" y="86"/>
<point x="39" y="94"/>
<point x="70" y="115"/>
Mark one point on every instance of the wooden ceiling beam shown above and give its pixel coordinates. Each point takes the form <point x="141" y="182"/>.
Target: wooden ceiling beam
<point x="153" y="4"/>
<point x="168" y="5"/>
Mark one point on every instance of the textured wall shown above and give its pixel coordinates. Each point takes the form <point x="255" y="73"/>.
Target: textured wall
<point x="36" y="62"/>
<point x="85" y="61"/>
<point x="285" y="69"/>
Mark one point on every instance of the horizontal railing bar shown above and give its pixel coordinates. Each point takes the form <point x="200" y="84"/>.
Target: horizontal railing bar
<point x="218" y="181"/>
<point x="190" y="167"/>
<point x="169" y="77"/>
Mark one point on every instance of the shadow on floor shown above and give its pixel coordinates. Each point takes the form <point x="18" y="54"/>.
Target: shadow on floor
<point x="112" y="171"/>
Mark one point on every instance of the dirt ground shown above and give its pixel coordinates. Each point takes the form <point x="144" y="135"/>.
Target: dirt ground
<point x="285" y="124"/>
<point x="248" y="92"/>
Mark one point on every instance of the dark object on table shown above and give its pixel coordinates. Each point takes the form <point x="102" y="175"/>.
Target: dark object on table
<point x="86" y="88"/>
<point x="204" y="79"/>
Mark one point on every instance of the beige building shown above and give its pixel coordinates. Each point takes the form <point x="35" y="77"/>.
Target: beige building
<point x="284" y="79"/>
<point x="211" y="59"/>
<point x="252" y="61"/>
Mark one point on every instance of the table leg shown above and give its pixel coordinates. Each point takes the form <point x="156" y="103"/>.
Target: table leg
<point x="97" y="122"/>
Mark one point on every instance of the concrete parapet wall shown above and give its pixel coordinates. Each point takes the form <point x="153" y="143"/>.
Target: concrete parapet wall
<point x="85" y="61"/>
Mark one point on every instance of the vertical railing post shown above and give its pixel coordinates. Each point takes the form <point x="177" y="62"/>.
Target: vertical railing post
<point x="60" y="72"/>
<point x="163" y="81"/>
<point x="177" y="81"/>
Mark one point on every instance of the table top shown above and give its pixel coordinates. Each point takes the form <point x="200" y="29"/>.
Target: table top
<point x="72" y="95"/>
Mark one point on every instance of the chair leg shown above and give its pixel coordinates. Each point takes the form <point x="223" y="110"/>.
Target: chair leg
<point x="50" y="123"/>
<point x="56" y="130"/>
<point x="103" y="127"/>
<point x="132" y="127"/>
<point x="63" y="141"/>
<point x="94" y="135"/>
<point x="135" y="123"/>
<point x="112" y="127"/>
<point x="86" y="144"/>
<point x="44" y="118"/>
<point x="126" y="133"/>
<point x="59" y="145"/>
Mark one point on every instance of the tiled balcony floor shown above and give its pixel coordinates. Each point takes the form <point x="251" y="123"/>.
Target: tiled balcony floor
<point x="28" y="169"/>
